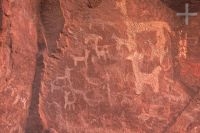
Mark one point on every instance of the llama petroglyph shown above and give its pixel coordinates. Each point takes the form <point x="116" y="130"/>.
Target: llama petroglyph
<point x="81" y="58"/>
<point x="158" y="49"/>
<point x="122" y="42"/>
<point x="132" y="28"/>
<point x="101" y="51"/>
<point x="141" y="78"/>
<point x="69" y="103"/>
<point x="93" y="38"/>
<point x="54" y="83"/>
<point x="69" y="90"/>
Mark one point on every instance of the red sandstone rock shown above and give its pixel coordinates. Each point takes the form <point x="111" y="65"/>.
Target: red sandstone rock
<point x="96" y="66"/>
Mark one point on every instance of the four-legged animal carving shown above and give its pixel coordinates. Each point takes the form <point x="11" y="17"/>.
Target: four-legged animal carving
<point x="68" y="103"/>
<point x="144" y="78"/>
<point x="81" y="58"/>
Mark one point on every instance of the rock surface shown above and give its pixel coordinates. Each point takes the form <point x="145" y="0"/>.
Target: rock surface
<point x="96" y="66"/>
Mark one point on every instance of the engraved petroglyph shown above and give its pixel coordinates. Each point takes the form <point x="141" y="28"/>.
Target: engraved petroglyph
<point x="158" y="50"/>
<point x="100" y="23"/>
<point x="182" y="51"/>
<point x="143" y="78"/>
<point x="81" y="58"/>
<point x="69" y="103"/>
<point x="62" y="79"/>
<point x="101" y="51"/>
<point x="122" y="6"/>
<point x="94" y="38"/>
<point x="106" y="87"/>
<point x="133" y="28"/>
<point x="19" y="99"/>
<point x="75" y="32"/>
<point x="54" y="85"/>
<point x="69" y="90"/>
<point x="122" y="42"/>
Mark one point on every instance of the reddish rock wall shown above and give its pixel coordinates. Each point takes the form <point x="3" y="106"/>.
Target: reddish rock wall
<point x="96" y="66"/>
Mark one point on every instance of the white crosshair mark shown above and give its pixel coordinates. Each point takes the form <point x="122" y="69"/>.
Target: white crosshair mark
<point x="187" y="14"/>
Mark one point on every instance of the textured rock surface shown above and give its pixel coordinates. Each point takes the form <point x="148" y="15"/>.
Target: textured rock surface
<point x="96" y="66"/>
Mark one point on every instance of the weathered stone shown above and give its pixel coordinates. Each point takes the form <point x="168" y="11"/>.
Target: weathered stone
<point x="96" y="66"/>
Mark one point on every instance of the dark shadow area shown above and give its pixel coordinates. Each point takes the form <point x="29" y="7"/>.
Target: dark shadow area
<point x="53" y="22"/>
<point x="34" y="122"/>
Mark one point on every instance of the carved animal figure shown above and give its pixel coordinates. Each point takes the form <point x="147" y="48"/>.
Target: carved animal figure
<point x="144" y="78"/>
<point x="69" y="103"/>
<point x="81" y="58"/>
<point x="95" y="40"/>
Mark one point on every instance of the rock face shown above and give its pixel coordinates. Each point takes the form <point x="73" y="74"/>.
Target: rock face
<point x="96" y="66"/>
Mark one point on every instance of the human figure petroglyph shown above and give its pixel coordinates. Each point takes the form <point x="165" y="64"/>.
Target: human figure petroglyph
<point x="142" y="78"/>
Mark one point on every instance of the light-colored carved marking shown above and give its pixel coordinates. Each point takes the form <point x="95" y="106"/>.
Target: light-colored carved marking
<point x="69" y="90"/>
<point x="182" y="51"/>
<point x="106" y="87"/>
<point x="100" y="22"/>
<point x="81" y="58"/>
<point x="133" y="28"/>
<point x="19" y="99"/>
<point x="68" y="103"/>
<point x="62" y="78"/>
<point x="153" y="113"/>
<point x="122" y="6"/>
<point x="94" y="38"/>
<point x="122" y="42"/>
<point x="143" y="78"/>
<point x="75" y="34"/>
<point x="56" y="87"/>
<point x="158" y="50"/>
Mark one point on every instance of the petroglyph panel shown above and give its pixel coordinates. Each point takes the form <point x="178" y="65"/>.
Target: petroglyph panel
<point x="116" y="73"/>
